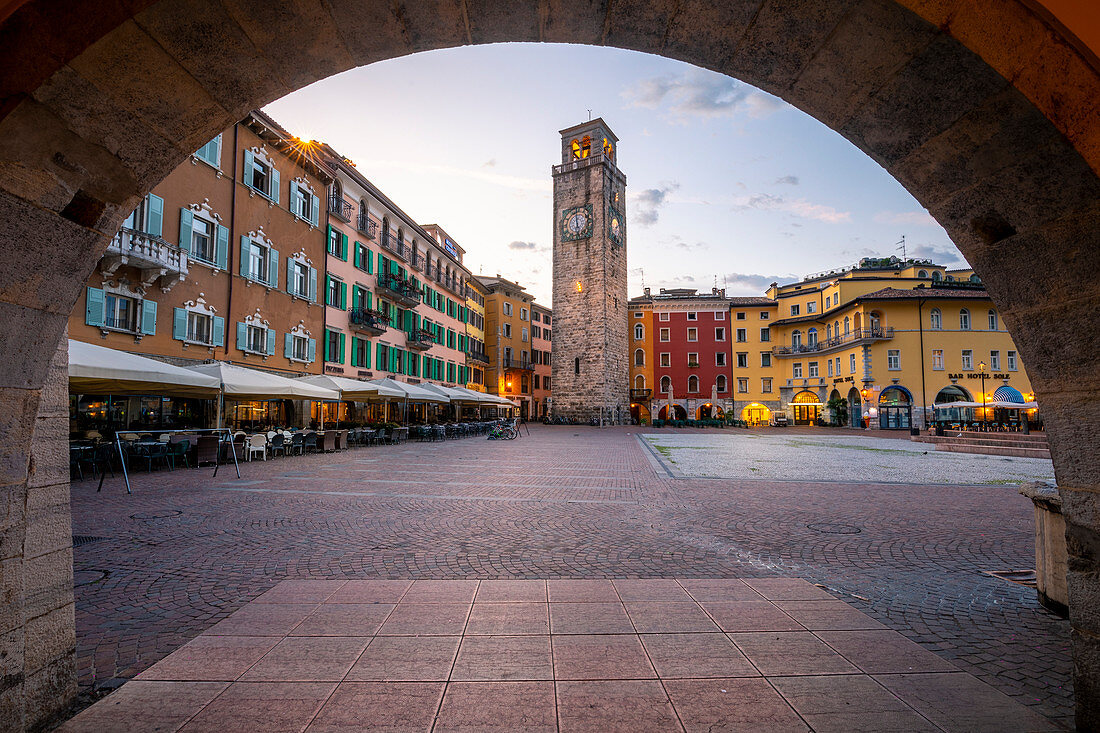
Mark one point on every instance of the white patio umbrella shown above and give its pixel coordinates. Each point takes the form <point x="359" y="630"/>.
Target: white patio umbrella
<point x="251" y="384"/>
<point x="411" y="393"/>
<point x="99" y="370"/>
<point x="352" y="390"/>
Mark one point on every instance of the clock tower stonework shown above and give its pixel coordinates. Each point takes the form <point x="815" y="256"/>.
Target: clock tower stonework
<point x="590" y="371"/>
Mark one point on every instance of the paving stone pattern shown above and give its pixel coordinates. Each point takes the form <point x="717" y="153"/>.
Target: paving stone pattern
<point x="187" y="551"/>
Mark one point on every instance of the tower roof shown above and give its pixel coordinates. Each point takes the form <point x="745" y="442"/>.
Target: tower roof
<point x="590" y="125"/>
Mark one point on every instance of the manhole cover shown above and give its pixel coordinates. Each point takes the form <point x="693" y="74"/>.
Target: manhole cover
<point x="83" y="539"/>
<point x="1023" y="577"/>
<point x="157" y="515"/>
<point x="826" y="528"/>
<point x="87" y="577"/>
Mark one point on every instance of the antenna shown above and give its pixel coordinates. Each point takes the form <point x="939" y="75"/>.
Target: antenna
<point x="902" y="247"/>
<point x="589" y="115"/>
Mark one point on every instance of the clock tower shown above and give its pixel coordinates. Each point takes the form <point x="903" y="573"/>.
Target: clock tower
<point x="590" y="371"/>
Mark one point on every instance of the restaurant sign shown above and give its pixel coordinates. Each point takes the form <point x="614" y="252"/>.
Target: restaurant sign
<point x="332" y="369"/>
<point x="978" y="375"/>
<point x="843" y="379"/>
<point x="448" y="245"/>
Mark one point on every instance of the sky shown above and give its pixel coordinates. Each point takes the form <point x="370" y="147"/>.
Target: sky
<point x="726" y="184"/>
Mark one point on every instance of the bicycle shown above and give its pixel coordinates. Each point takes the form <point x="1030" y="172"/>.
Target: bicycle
<point x="504" y="431"/>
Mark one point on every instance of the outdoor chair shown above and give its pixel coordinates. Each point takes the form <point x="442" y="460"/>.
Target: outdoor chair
<point x="152" y="453"/>
<point x="296" y="444"/>
<point x="178" y="449"/>
<point x="329" y="442"/>
<point x="257" y="444"/>
<point x="366" y="437"/>
<point x="342" y="440"/>
<point x="309" y="443"/>
<point x="278" y="444"/>
<point x="237" y="446"/>
<point x="401" y="435"/>
<point x="206" y="450"/>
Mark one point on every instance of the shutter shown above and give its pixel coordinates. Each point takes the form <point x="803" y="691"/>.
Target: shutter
<point x="93" y="311"/>
<point x="219" y="331"/>
<point x="341" y="347"/>
<point x="270" y="342"/>
<point x="179" y="324"/>
<point x="370" y="262"/>
<point x="273" y="269"/>
<point x="295" y="194"/>
<point x="242" y="335"/>
<point x="288" y="346"/>
<point x="353" y="360"/>
<point x="246" y="261"/>
<point x="366" y="354"/>
<point x="357" y="259"/>
<point x="328" y="356"/>
<point x="343" y="296"/>
<point x="221" y="249"/>
<point x="380" y="358"/>
<point x="155" y="224"/>
<point x="313" y="284"/>
<point x="315" y="210"/>
<point x="290" y="276"/>
<point x="355" y="305"/>
<point x="249" y="161"/>
<point x="187" y="220"/>
<point x="149" y="317"/>
<point x="274" y="185"/>
<point x="328" y="289"/>
<point x="311" y="350"/>
<point x="407" y="325"/>
<point x="343" y="247"/>
<point x="369" y="306"/>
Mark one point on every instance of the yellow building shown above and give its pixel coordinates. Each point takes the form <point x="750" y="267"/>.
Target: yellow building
<point x="477" y="356"/>
<point x="511" y="370"/>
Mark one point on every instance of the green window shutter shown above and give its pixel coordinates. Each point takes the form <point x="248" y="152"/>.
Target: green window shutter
<point x="369" y="298"/>
<point x="242" y="335"/>
<point x="288" y="346"/>
<point x="328" y="297"/>
<point x="366" y="354"/>
<point x="187" y="221"/>
<point x="341" y="347"/>
<point x="94" y="308"/>
<point x="270" y="350"/>
<point x="156" y="215"/>
<point x="354" y="361"/>
<point x="221" y="248"/>
<point x="380" y="359"/>
<point x="149" y="317"/>
<point x="218" y="331"/>
<point x="179" y="324"/>
<point x="327" y="342"/>
<point x="358" y="257"/>
<point x="370" y="262"/>
<point x="343" y="296"/>
<point x="246" y="261"/>
<point x="343" y="247"/>
<point x="273" y="269"/>
<point x="355" y="305"/>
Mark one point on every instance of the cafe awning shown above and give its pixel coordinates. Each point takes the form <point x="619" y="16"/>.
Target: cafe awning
<point x="411" y="392"/>
<point x="250" y="384"/>
<point x="352" y="390"/>
<point x="99" y="370"/>
<point x="454" y="394"/>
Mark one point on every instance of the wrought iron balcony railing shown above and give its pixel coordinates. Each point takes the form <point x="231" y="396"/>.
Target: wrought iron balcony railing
<point x="366" y="226"/>
<point x="856" y="336"/>
<point x="338" y="207"/>
<point x="372" y="321"/>
<point x="401" y="290"/>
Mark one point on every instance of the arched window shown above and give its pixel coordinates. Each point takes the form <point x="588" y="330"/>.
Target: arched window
<point x="936" y="276"/>
<point x="385" y="228"/>
<point x="639" y="381"/>
<point x="964" y="320"/>
<point x="975" y="279"/>
<point x="693" y="384"/>
<point x="992" y="320"/>
<point x="639" y="357"/>
<point x="829" y="332"/>
<point x="950" y="278"/>
<point x="720" y="383"/>
<point x="811" y="338"/>
<point x="922" y="273"/>
<point x="847" y="325"/>
<point x="936" y="319"/>
<point x="836" y="328"/>
<point x="639" y="332"/>
<point x="796" y="339"/>
<point x="666" y="384"/>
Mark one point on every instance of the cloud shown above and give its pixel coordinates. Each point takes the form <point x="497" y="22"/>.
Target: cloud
<point x="522" y="245"/>
<point x="648" y="201"/>
<point x="917" y="218"/>
<point x="752" y="284"/>
<point x="940" y="255"/>
<point x="797" y="207"/>
<point x="517" y="183"/>
<point x="699" y="94"/>
<point x="788" y="180"/>
<point x="491" y="163"/>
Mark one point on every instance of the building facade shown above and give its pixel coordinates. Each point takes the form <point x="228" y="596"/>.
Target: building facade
<point x="477" y="358"/>
<point x="511" y="371"/>
<point x="542" y="341"/>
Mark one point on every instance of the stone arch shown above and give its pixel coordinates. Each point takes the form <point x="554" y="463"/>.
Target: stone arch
<point x="999" y="143"/>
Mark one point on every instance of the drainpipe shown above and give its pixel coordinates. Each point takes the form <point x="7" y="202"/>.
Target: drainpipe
<point x="231" y="248"/>
<point x="923" y="394"/>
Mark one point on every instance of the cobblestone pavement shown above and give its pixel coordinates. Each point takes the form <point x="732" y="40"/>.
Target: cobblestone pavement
<point x="186" y="550"/>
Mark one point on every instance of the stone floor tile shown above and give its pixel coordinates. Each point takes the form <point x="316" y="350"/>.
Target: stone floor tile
<point x="379" y="707"/>
<point x="736" y="616"/>
<point x="271" y="707"/>
<point x="511" y="591"/>
<point x="720" y="589"/>
<point x="614" y="706"/>
<point x="298" y="590"/>
<point x="498" y="706"/>
<point x="344" y="619"/>
<point x="482" y="658"/>
<point x="828" y="615"/>
<point x="308" y="659"/>
<point x="140" y="707"/>
<point x="738" y="705"/>
<point x="263" y="619"/>
<point x="371" y="591"/>
<point x="406" y="658"/>
<point x="601" y="657"/>
<point x="426" y="618"/>
<point x="790" y="653"/>
<point x="210" y="658"/>
<point x="696" y="655"/>
<point x="788" y="589"/>
<point x="650" y="589"/>
<point x="441" y="591"/>
<point x="959" y="701"/>
<point x="841" y="703"/>
<point x="581" y="591"/>
<point x="512" y="619"/>
<point x="884" y="652"/>
<point x="589" y="618"/>
<point x="669" y="618"/>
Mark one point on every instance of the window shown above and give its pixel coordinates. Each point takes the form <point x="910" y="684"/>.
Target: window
<point x="893" y="359"/>
<point x="742" y="335"/>
<point x="765" y="334"/>
<point x="742" y="359"/>
<point x="260" y="176"/>
<point x="299" y="347"/>
<point x="507" y="308"/>
<point x="937" y="358"/>
<point x="813" y="369"/>
<point x="741" y="315"/>
<point x="936" y="319"/>
<point x="968" y="359"/>
<point x="523" y="314"/>
<point x="851" y="363"/>
<point x="259" y="262"/>
<point x="665" y="334"/>
<point x="639" y="357"/>
<point x="719" y="334"/>
<point x="639" y="332"/>
<point x="523" y="334"/>
<point x="796" y="370"/>
<point x="200" y="328"/>
<point x="255" y="339"/>
<point x="202" y="239"/>
<point x="964" y="320"/>
<point x="693" y="384"/>
<point x="301" y="280"/>
<point x="211" y="152"/>
<point x="847" y="325"/>
<point x="720" y="358"/>
<point x="336" y="293"/>
<point x="666" y="384"/>
<point x="829" y="364"/>
<point x="692" y="316"/>
<point x="637" y="314"/>
<point x="811" y="338"/>
<point x="796" y="340"/>
<point x="742" y="384"/>
<point x="720" y="384"/>
<point x="666" y="359"/>
<point x="576" y="365"/>
<point x="994" y="360"/>
<point x="662" y="316"/>
<point x="507" y="330"/>
<point x="764" y="315"/>
<point x="811" y="307"/>
<point x="765" y="358"/>
<point x="120" y="312"/>
<point x="1012" y="361"/>
<point x="720" y="315"/>
<point x="992" y="320"/>
<point x="693" y="334"/>
<point x="304" y="204"/>
<point x="794" y="310"/>
<point x="693" y="358"/>
<point x="334" y="346"/>
<point x="766" y="385"/>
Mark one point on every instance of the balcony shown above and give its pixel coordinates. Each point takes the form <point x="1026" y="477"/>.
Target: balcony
<point x="480" y="356"/>
<point x="373" y="322"/>
<point x="154" y="257"/>
<point x="510" y="362"/>
<point x="339" y="208"/>
<point x="400" y="290"/>
<point x="693" y="365"/>
<point x="395" y="245"/>
<point x="368" y="228"/>
<point x="418" y="261"/>
<point x="420" y="339"/>
<point x="640" y="395"/>
<point x="856" y="337"/>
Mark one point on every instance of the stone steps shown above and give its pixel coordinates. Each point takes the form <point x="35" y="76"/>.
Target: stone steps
<point x="997" y="444"/>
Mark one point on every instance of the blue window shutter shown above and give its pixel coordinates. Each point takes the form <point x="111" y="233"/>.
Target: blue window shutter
<point x="221" y="249"/>
<point x="187" y="220"/>
<point x="315" y="210"/>
<point x="273" y="269"/>
<point x="313" y="284"/>
<point x="149" y="317"/>
<point x="246" y="261"/>
<point x="242" y="335"/>
<point x="288" y="346"/>
<point x="289" y="275"/>
<point x="93" y="311"/>
<point x="270" y="351"/>
<point x="249" y="161"/>
<point x="218" y="331"/>
<point x="311" y="351"/>
<point x="179" y="324"/>
<point x="156" y="215"/>
<point x="274" y="185"/>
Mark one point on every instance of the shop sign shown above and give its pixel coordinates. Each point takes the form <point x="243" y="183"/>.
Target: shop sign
<point x="363" y="373"/>
<point x="978" y="375"/>
<point x="839" y="380"/>
<point x="448" y="245"/>
<point x="332" y="369"/>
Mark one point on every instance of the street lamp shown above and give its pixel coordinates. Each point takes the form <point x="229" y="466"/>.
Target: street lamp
<point x="981" y="373"/>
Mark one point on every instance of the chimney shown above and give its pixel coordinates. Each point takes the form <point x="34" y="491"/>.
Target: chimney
<point x="647" y="293"/>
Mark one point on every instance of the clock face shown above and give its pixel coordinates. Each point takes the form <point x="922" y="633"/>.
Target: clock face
<point x="576" y="223"/>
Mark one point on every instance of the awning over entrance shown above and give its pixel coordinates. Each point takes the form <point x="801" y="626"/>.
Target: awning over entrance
<point x="99" y="370"/>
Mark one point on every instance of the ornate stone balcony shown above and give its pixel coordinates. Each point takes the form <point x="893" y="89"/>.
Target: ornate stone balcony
<point x="154" y="257"/>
